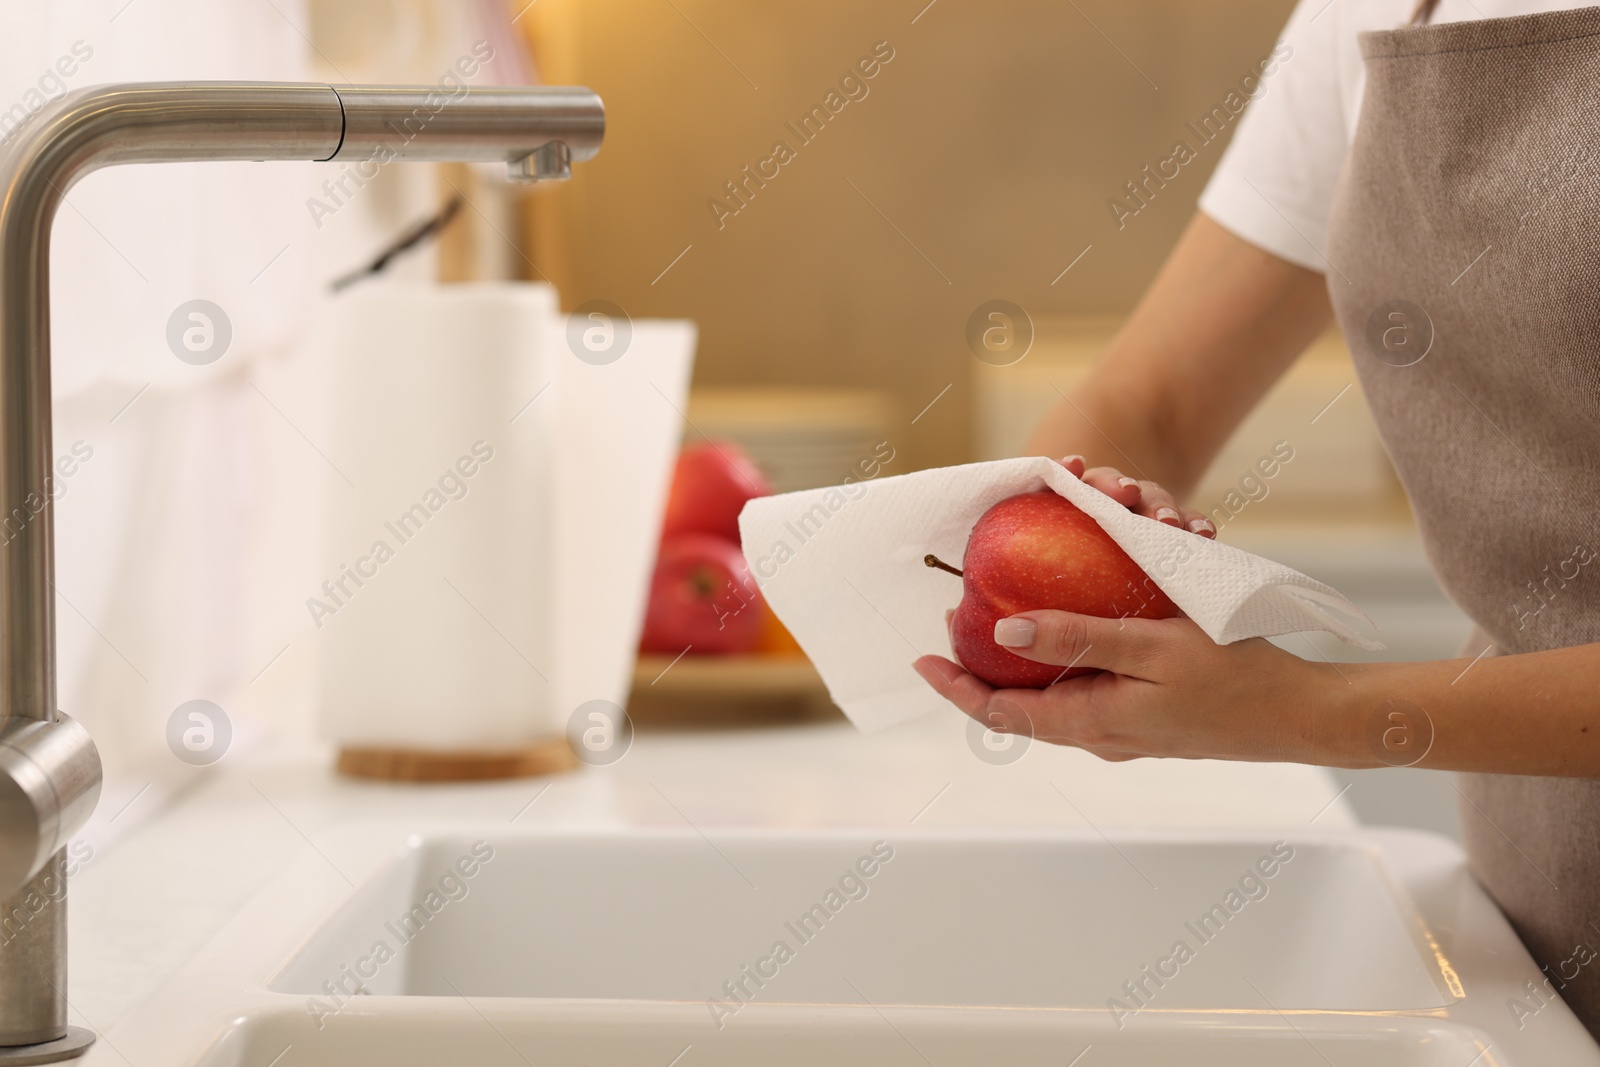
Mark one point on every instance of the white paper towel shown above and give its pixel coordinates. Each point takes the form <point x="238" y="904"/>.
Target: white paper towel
<point x="843" y="568"/>
<point x="517" y="593"/>
<point x="620" y="426"/>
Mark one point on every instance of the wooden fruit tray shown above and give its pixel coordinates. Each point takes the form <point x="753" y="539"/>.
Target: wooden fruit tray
<point x="726" y="690"/>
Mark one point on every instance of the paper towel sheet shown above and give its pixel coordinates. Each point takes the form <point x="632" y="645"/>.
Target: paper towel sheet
<point x="620" y="425"/>
<point x="843" y="568"/>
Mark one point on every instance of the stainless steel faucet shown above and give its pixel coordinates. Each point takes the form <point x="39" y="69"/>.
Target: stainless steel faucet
<point x="49" y="770"/>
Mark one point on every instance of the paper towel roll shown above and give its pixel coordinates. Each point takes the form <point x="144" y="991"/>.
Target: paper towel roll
<point x="489" y="546"/>
<point x="433" y="633"/>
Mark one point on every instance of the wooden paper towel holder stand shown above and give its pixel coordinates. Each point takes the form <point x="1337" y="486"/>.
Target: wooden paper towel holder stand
<point x="551" y="755"/>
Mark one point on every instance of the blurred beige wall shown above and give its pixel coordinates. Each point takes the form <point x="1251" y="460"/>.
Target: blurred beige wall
<point x="978" y="166"/>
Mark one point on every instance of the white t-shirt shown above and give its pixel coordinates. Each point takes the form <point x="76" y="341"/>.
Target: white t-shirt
<point x="1274" y="185"/>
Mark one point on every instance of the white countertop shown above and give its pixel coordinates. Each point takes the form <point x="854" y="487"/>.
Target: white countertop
<point x="145" y="903"/>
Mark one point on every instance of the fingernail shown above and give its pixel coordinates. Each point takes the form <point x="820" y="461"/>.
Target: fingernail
<point x="1127" y="482"/>
<point x="1167" y="515"/>
<point x="1202" y="527"/>
<point x="1068" y="461"/>
<point x="1015" y="633"/>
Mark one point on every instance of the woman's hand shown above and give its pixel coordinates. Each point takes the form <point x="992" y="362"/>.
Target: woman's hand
<point x="1141" y="497"/>
<point x="1163" y="689"/>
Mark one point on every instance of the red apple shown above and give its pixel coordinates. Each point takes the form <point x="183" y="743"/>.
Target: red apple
<point x="702" y="596"/>
<point x="710" y="485"/>
<point x="1033" y="552"/>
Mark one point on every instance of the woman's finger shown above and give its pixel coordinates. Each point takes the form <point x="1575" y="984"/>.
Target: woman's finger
<point x="1142" y="497"/>
<point x="998" y="710"/>
<point x="1158" y="504"/>
<point x="1114" y="484"/>
<point x="1197" y="523"/>
<point x="1066" y="639"/>
<point x="953" y="683"/>
<point x="1006" y="716"/>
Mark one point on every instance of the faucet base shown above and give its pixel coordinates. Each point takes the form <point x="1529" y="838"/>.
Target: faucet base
<point x="75" y="1044"/>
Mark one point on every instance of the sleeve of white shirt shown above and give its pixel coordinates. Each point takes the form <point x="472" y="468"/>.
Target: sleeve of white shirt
<point x="1274" y="185"/>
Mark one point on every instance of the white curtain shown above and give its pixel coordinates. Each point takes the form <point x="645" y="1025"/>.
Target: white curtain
<point x="189" y="526"/>
<point x="154" y="511"/>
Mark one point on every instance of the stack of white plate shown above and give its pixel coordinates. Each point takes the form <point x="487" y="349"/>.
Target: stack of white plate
<point x="802" y="438"/>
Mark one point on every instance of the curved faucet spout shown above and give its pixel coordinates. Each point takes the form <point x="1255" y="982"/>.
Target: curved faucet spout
<point x="50" y="773"/>
<point x="158" y="123"/>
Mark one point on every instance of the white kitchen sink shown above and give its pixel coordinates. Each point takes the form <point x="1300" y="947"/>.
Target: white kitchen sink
<point x="496" y="946"/>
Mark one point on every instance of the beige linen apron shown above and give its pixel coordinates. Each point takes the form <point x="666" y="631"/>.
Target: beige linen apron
<point x="1464" y="265"/>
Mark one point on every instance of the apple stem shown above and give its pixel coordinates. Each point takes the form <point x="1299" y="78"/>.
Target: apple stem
<point x="938" y="564"/>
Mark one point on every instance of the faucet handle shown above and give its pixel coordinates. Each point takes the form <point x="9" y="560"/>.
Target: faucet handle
<point x="49" y="784"/>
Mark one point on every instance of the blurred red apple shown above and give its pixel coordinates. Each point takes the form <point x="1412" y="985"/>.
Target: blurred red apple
<point x="1033" y="552"/>
<point x="710" y="486"/>
<point x="702" y="596"/>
